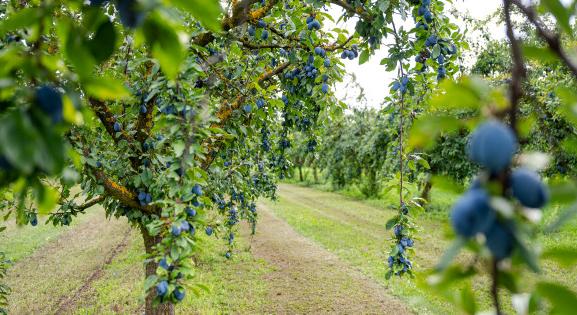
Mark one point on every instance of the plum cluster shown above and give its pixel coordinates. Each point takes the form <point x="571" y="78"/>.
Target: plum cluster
<point x="403" y="243"/>
<point x="493" y="146"/>
<point x="401" y="84"/>
<point x="312" y="23"/>
<point x="144" y="198"/>
<point x="350" y="53"/>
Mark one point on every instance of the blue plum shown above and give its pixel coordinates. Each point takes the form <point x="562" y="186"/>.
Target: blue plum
<point x="190" y="212"/>
<point x="528" y="188"/>
<point x="472" y="213"/>
<point x="492" y="145"/>
<point x="162" y="288"/>
<point x="197" y="190"/>
<point x="260" y="103"/>
<point x="49" y="101"/>
<point x="185" y="226"/>
<point x="500" y="240"/>
<point x="179" y="294"/>
<point x="163" y="264"/>
<point x="117" y="127"/>
<point x="175" y="230"/>
<point x="208" y="230"/>
<point x="131" y="15"/>
<point x="431" y="41"/>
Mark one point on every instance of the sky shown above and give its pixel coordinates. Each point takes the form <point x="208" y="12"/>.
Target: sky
<point x="372" y="77"/>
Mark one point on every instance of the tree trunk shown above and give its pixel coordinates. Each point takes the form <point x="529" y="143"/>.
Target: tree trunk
<point x="150" y="269"/>
<point x="301" y="173"/>
<point x="315" y="174"/>
<point x="426" y="192"/>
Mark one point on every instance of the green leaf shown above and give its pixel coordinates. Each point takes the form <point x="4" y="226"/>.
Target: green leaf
<point x="392" y="222"/>
<point x="165" y="46"/>
<point x="20" y="19"/>
<point x="528" y="256"/>
<point x="565" y="256"/>
<point x="451" y="253"/>
<point x="427" y="128"/>
<point x="105" y="88"/>
<point x="562" y="191"/>
<point x="561" y="13"/>
<point x="47" y="199"/>
<point x="468" y="300"/>
<point x="436" y="51"/>
<point x="18" y="139"/>
<point x="150" y="282"/>
<point x="468" y="93"/>
<point x="562" y="299"/>
<point x="364" y="56"/>
<point x="206" y="11"/>
<point x="565" y="216"/>
<point x="104" y="41"/>
<point x="539" y="53"/>
<point x="78" y="53"/>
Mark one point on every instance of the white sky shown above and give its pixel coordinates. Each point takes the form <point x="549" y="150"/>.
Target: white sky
<point x="372" y="76"/>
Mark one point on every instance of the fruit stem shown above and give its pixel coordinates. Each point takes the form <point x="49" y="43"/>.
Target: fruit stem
<point x="495" y="286"/>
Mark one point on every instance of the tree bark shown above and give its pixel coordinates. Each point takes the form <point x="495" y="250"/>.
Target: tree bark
<point x="301" y="173"/>
<point x="426" y="192"/>
<point x="150" y="269"/>
<point x="315" y="174"/>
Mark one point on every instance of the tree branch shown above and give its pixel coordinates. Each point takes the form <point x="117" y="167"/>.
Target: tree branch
<point x="107" y="119"/>
<point x="268" y="75"/>
<point x="224" y="113"/>
<point x="240" y="14"/>
<point x="552" y="39"/>
<point x="358" y="10"/>
<point x="122" y="194"/>
<point x="518" y="73"/>
<point x="88" y="204"/>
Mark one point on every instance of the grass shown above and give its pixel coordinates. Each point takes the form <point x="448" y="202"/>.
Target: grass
<point x="19" y="242"/>
<point x="354" y="230"/>
<point x="53" y="265"/>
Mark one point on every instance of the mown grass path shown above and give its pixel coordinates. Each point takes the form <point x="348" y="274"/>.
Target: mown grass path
<point x="314" y="252"/>
<point x="307" y="279"/>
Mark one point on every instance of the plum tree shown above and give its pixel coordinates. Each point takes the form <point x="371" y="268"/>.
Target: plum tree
<point x="153" y="104"/>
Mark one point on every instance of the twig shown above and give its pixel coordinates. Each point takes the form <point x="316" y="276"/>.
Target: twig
<point x="495" y="286"/>
<point x="552" y="39"/>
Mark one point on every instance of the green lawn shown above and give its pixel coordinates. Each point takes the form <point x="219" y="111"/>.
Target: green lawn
<point x="354" y="230"/>
<point x="52" y="266"/>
